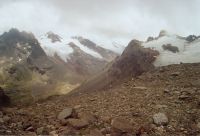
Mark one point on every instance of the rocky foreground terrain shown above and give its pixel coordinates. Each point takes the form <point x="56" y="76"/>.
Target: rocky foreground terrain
<point x="162" y="102"/>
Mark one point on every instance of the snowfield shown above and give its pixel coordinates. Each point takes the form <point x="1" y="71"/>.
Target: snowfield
<point x="188" y="52"/>
<point x="63" y="49"/>
<point x="60" y="48"/>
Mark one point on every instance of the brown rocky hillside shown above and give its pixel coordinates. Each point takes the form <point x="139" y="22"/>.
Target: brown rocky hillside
<point x="162" y="102"/>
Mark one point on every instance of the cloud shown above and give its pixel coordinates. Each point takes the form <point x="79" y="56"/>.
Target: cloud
<point x="103" y="21"/>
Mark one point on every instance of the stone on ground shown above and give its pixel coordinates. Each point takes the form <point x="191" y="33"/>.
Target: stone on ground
<point x="78" y="123"/>
<point x="160" y="119"/>
<point x="122" y="125"/>
<point x="66" y="113"/>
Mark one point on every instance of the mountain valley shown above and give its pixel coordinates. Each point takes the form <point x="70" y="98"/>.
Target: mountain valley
<point x="142" y="92"/>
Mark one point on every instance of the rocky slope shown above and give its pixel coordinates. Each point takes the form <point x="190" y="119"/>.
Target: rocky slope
<point x="131" y="96"/>
<point x="81" y="58"/>
<point x="134" y="61"/>
<point x="139" y="57"/>
<point x="161" y="102"/>
<point x="23" y="65"/>
<point x="31" y="70"/>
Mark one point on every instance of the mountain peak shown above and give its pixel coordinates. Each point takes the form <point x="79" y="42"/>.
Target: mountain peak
<point x="14" y="35"/>
<point x="163" y="33"/>
<point x="53" y="37"/>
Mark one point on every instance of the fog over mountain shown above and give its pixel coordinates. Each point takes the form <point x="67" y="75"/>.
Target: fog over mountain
<point x="100" y="67"/>
<point x="102" y="21"/>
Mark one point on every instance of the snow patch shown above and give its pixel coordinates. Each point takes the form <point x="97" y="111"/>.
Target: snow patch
<point x="173" y="40"/>
<point x="59" y="48"/>
<point x="85" y="49"/>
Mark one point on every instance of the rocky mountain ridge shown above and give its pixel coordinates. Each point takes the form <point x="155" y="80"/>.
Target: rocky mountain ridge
<point x="27" y="72"/>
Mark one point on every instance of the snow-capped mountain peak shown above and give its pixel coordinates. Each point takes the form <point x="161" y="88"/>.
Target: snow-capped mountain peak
<point x="53" y="37"/>
<point x="174" y="49"/>
<point x="55" y="44"/>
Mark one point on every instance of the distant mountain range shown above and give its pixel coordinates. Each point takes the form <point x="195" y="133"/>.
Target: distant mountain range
<point x="37" y="67"/>
<point x="55" y="44"/>
<point x="139" y="57"/>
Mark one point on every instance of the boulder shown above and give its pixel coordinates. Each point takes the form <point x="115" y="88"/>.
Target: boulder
<point x="30" y="129"/>
<point x="64" y="114"/>
<point x="121" y="125"/>
<point x="90" y="118"/>
<point x="77" y="123"/>
<point x="160" y="119"/>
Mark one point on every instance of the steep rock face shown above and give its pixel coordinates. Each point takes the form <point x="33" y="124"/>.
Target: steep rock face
<point x="27" y="73"/>
<point x="24" y="67"/>
<point x="133" y="62"/>
<point x="22" y="47"/>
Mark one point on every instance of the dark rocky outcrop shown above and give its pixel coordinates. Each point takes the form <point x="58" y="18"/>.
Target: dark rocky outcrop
<point x="134" y="60"/>
<point x="54" y="37"/>
<point x="4" y="99"/>
<point x="150" y="39"/>
<point x="171" y="48"/>
<point x="192" y="38"/>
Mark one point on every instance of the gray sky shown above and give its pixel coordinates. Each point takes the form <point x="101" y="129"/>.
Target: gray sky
<point x="102" y="20"/>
